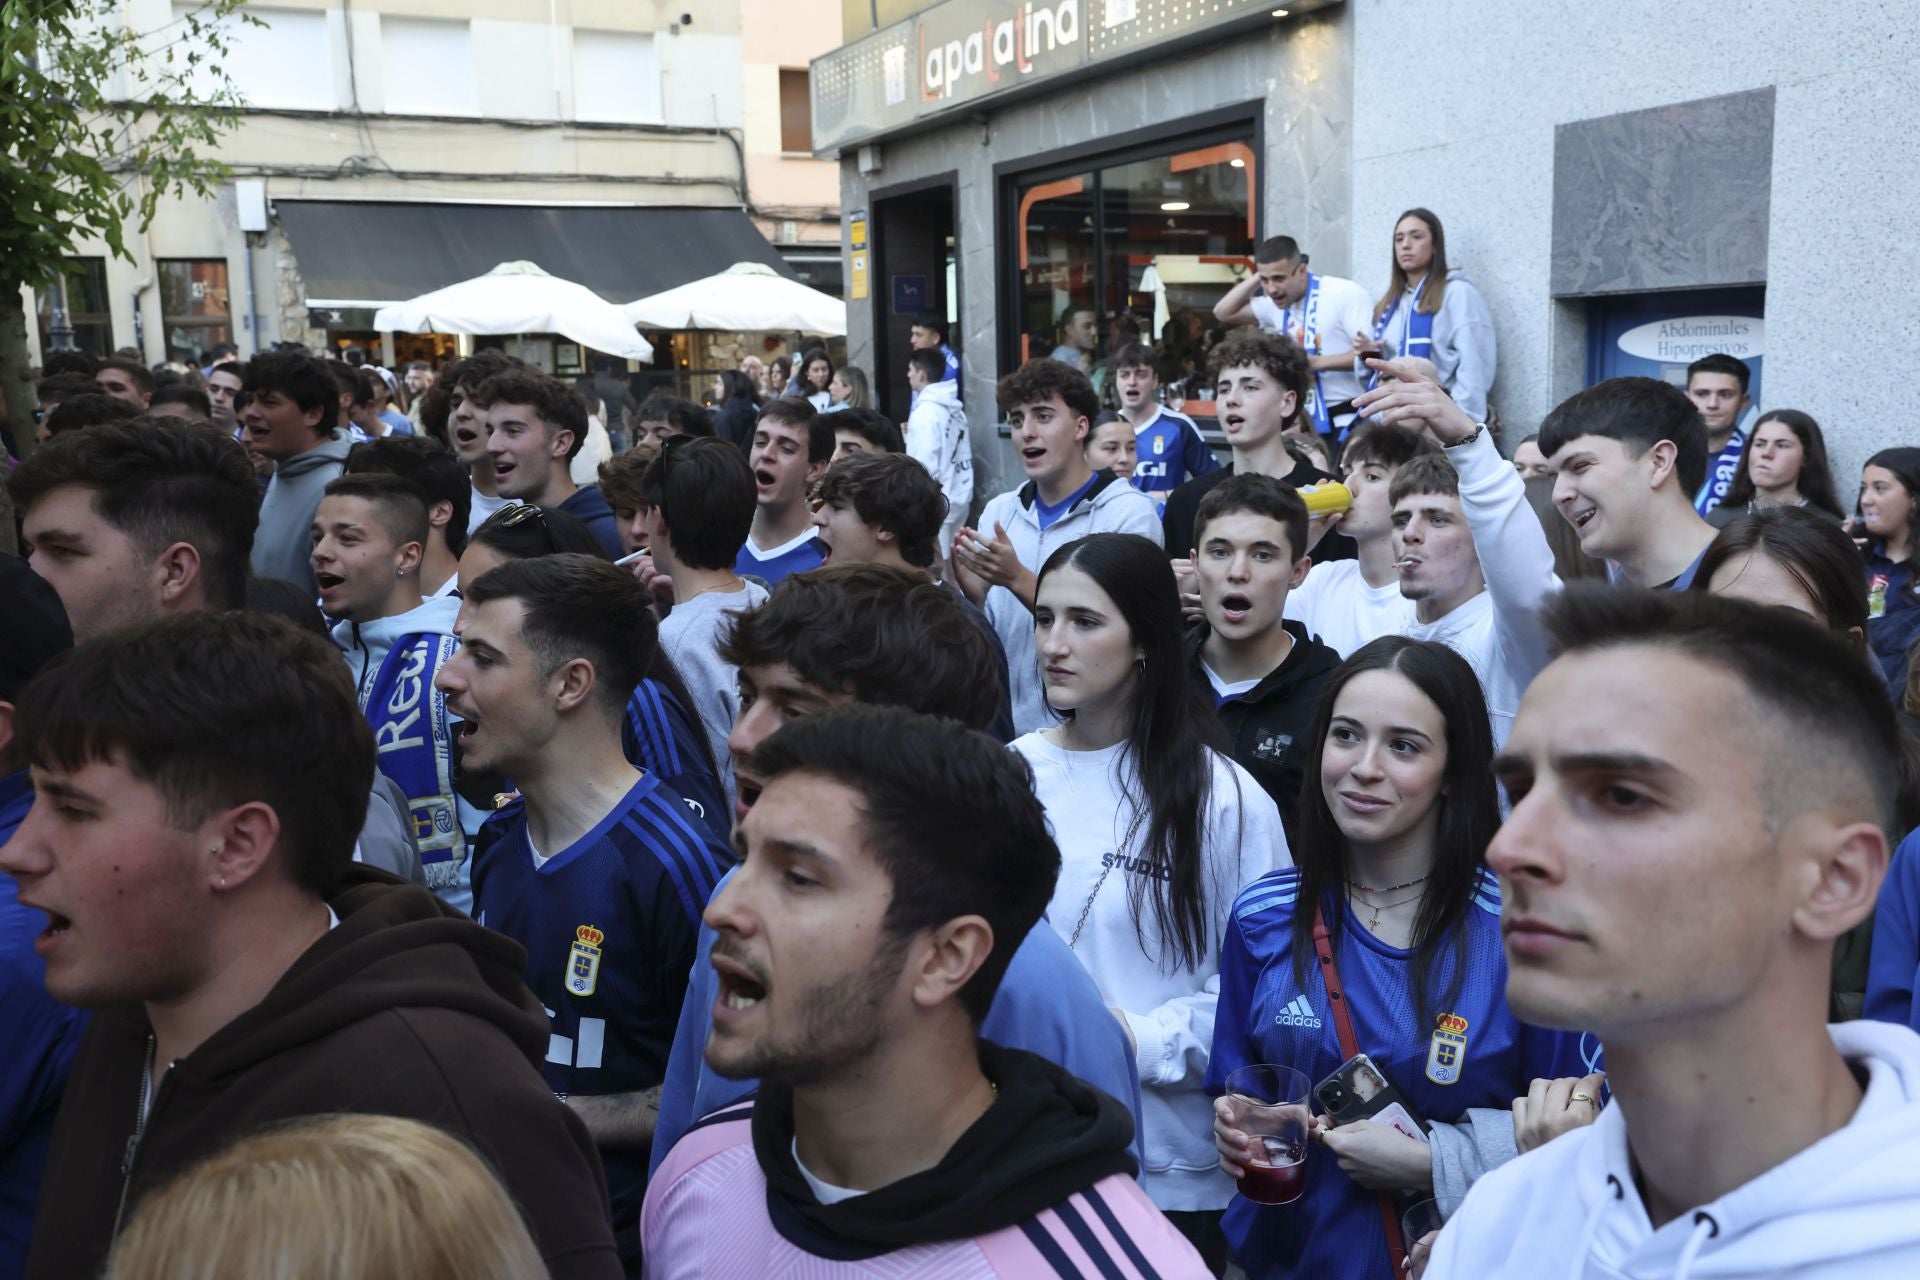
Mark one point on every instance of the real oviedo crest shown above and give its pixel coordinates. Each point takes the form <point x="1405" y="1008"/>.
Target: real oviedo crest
<point x="583" y="965"/>
<point x="1447" y="1049"/>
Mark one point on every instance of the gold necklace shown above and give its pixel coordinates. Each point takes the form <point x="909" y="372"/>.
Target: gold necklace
<point x="1373" y="925"/>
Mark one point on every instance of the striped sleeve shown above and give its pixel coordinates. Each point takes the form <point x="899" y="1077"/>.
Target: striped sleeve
<point x="1110" y="1231"/>
<point x="692" y="857"/>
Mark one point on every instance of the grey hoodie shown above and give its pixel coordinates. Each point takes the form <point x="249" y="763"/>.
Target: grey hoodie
<point x="283" y="546"/>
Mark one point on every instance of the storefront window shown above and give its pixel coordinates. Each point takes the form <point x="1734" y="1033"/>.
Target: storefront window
<point x="1172" y="227"/>
<point x="86" y="280"/>
<point x="194" y="308"/>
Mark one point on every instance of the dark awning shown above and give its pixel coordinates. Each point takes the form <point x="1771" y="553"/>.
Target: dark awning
<point x="370" y="253"/>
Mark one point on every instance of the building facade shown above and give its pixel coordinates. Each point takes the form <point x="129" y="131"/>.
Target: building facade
<point x="1628" y="187"/>
<point x="390" y="147"/>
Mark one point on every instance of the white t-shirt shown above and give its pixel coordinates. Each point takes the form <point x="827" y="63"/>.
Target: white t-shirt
<point x="1090" y="798"/>
<point x="1336" y="605"/>
<point x="691" y="635"/>
<point x="823" y="1191"/>
<point x="1224" y="689"/>
<point x="483" y="506"/>
<point x="1341" y="309"/>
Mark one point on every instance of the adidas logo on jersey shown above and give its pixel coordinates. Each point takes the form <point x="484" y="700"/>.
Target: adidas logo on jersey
<point x="1299" y="1013"/>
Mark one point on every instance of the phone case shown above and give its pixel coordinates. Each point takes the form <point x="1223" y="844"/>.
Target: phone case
<point x="1359" y="1090"/>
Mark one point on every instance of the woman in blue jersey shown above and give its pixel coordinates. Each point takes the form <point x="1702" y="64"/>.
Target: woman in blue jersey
<point x="1394" y="819"/>
<point x="1157" y="833"/>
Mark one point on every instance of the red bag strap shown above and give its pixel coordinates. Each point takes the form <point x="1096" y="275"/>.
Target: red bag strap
<point x="1349" y="1046"/>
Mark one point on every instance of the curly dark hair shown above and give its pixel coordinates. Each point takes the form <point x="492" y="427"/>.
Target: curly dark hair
<point x="559" y="408"/>
<point x="1041" y="380"/>
<point x="1275" y="354"/>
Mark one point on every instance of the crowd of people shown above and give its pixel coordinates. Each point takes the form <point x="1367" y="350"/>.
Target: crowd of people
<point x="433" y="844"/>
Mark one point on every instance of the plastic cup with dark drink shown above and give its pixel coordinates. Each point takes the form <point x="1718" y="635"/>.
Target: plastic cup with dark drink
<point x="1270" y="1105"/>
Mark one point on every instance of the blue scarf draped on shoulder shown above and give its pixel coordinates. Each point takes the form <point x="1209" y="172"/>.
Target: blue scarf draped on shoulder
<point x="413" y="747"/>
<point x="1419" y="335"/>
<point x="1720" y="472"/>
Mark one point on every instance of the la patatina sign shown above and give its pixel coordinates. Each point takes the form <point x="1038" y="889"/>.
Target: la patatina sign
<point x="963" y="53"/>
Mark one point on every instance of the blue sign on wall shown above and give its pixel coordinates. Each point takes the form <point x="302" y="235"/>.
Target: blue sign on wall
<point x="909" y="295"/>
<point x="1657" y="335"/>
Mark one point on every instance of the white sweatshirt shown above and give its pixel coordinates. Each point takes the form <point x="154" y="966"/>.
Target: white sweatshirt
<point x="1846" y="1208"/>
<point x="1339" y="609"/>
<point x="936" y="438"/>
<point x="1498" y="632"/>
<point x="1090" y="798"/>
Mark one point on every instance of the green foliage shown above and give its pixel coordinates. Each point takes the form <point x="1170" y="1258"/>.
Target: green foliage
<point x="98" y="123"/>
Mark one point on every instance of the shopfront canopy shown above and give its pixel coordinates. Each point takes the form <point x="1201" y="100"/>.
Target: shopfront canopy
<point x="518" y="297"/>
<point x="356" y="254"/>
<point x="747" y="297"/>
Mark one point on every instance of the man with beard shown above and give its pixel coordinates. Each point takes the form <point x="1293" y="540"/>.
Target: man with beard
<point x="888" y="864"/>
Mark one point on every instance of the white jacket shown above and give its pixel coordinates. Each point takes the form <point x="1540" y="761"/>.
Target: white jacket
<point x="937" y="440"/>
<point x="1090" y="798"/>
<point x="1498" y="632"/>
<point x="1846" y="1208"/>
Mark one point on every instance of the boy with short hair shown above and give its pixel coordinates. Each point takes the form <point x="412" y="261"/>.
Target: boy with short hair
<point x="597" y="868"/>
<point x="1347" y="603"/>
<point x="1264" y="675"/>
<point x="858" y="430"/>
<point x="1627" y="805"/>
<point x="662" y="416"/>
<point x="536" y="425"/>
<point x="369" y="535"/>
<point x="929" y="333"/>
<point x="696" y="504"/>
<point x="792" y="446"/>
<point x="1050" y="408"/>
<point x="1717" y="385"/>
<point x="444" y="486"/>
<point x="936" y="438"/>
<point x="127" y="380"/>
<point x="883" y="508"/>
<point x="1170" y="448"/>
<point x="1628" y="456"/>
<point x="885" y="1127"/>
<point x="291" y="406"/>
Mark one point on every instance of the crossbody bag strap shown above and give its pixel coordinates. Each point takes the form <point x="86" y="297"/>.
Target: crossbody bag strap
<point x="1349" y="1046"/>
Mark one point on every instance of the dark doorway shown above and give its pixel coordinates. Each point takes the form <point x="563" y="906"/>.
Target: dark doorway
<point x="914" y="254"/>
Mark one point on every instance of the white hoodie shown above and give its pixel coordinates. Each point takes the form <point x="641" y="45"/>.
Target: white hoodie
<point x="1091" y="798"/>
<point x="937" y="440"/>
<point x="1846" y="1208"/>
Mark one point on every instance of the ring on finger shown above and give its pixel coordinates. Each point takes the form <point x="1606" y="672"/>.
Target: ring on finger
<point x="1587" y="1098"/>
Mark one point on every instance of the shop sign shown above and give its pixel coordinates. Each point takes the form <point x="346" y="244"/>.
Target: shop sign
<point x="962" y="52"/>
<point x="1684" y="339"/>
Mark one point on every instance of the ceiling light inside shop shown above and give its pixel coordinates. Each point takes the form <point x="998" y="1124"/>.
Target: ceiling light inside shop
<point x="1237" y="163"/>
<point x="1279" y="13"/>
<point x="1175" y="206"/>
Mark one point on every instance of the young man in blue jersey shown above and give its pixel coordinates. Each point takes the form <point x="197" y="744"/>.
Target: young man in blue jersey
<point x="863" y="633"/>
<point x="368" y="537"/>
<point x="1050" y="407"/>
<point x="1170" y="449"/>
<point x="792" y="446"/>
<point x="1682" y="900"/>
<point x="535" y="427"/>
<point x="929" y="333"/>
<point x="597" y="869"/>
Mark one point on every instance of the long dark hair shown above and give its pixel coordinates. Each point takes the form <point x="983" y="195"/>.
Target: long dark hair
<point x="1170" y="735"/>
<point x="1816" y="472"/>
<point x="1812" y="550"/>
<point x="1469" y="815"/>
<point x="1434" y="291"/>
<point x="739" y="386"/>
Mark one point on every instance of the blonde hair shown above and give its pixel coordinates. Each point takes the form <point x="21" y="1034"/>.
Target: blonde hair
<point x="374" y="1197"/>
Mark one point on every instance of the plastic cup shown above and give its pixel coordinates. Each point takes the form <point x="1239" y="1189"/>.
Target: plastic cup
<point x="1270" y="1105"/>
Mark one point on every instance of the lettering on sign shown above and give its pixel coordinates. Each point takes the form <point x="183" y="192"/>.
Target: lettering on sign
<point x="1684" y="339"/>
<point x="997" y="48"/>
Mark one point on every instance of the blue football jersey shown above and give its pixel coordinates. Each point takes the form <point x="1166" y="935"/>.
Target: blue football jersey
<point x="662" y="737"/>
<point x="798" y="556"/>
<point x="609" y="925"/>
<point x="1172" y="452"/>
<point x="1474" y="1054"/>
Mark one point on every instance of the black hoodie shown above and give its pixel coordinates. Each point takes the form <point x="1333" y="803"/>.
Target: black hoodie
<point x="1267" y="725"/>
<point x="1046" y="1137"/>
<point x="407" y="1008"/>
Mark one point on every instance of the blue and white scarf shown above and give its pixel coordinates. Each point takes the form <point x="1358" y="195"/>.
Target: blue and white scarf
<point x="1308" y="340"/>
<point x="1418" y="339"/>
<point x="413" y="747"/>
<point x="1720" y="473"/>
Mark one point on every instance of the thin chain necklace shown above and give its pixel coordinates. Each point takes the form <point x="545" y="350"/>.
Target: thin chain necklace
<point x="1392" y="888"/>
<point x="1373" y="925"/>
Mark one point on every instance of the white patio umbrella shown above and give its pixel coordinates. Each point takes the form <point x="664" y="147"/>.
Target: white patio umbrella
<point x="518" y="297"/>
<point x="748" y="297"/>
